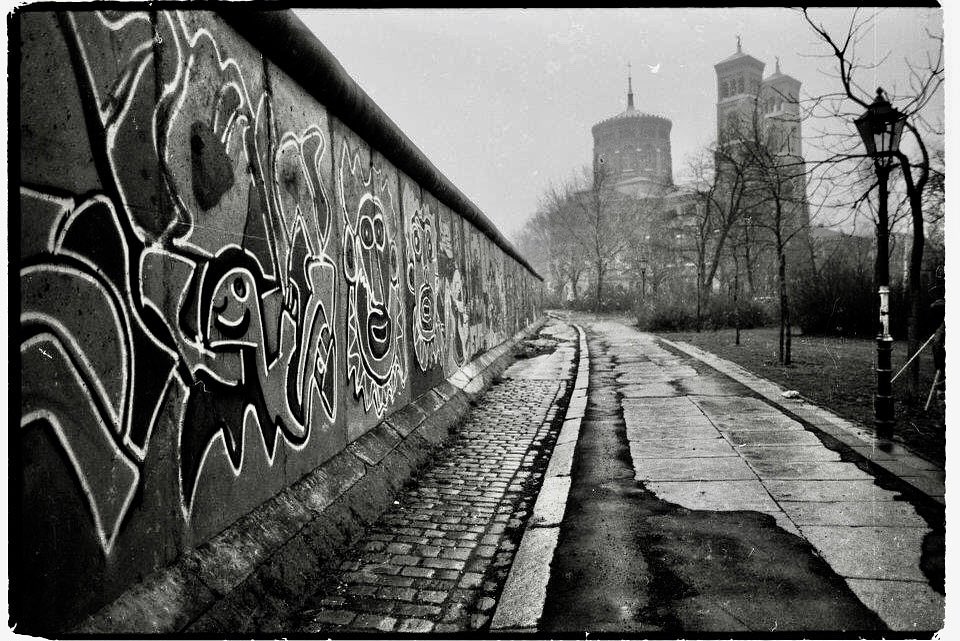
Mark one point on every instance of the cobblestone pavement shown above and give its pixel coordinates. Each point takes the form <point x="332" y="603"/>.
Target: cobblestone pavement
<point x="436" y="561"/>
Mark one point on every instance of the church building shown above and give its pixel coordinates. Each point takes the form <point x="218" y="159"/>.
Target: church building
<point x="632" y="151"/>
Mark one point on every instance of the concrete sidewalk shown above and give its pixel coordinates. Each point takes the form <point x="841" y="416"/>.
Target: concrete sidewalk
<point x="712" y="442"/>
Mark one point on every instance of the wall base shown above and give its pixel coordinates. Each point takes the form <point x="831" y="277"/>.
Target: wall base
<point x="254" y="574"/>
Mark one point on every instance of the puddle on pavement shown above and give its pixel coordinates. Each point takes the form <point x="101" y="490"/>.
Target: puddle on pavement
<point x="696" y="569"/>
<point x="933" y="514"/>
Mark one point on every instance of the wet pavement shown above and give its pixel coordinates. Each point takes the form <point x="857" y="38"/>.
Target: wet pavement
<point x="611" y="482"/>
<point x="697" y="506"/>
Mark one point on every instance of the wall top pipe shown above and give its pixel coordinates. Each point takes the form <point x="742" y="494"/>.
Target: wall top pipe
<point x="283" y="39"/>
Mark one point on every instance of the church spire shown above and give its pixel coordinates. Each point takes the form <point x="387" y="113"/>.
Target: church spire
<point x="629" y="86"/>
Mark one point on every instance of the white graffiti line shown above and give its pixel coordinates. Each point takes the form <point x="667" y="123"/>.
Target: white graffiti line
<point x="107" y="521"/>
<point x="290" y="139"/>
<point x="375" y="395"/>
<point x="66" y="205"/>
<point x="111" y="118"/>
<point x="232" y="75"/>
<point x="191" y="349"/>
<point x="121" y="300"/>
<point x="271" y="376"/>
<point x="126" y="18"/>
<point x="66" y="335"/>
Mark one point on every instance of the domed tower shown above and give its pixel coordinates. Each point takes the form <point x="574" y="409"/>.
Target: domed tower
<point x="633" y="150"/>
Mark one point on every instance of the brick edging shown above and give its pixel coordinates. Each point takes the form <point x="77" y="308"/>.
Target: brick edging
<point x="524" y="593"/>
<point x="250" y="575"/>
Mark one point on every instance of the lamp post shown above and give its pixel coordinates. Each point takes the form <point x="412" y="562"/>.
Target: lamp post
<point x="643" y="277"/>
<point x="880" y="127"/>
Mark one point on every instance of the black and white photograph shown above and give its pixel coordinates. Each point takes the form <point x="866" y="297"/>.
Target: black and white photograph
<point x="496" y="323"/>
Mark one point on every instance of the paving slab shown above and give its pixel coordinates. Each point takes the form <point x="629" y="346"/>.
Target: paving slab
<point x="702" y="386"/>
<point x="907" y="606"/>
<point x="649" y="390"/>
<point x="870" y="552"/>
<point x="927" y="485"/>
<point x="657" y="448"/>
<point x="757" y="422"/>
<point x="786" y="453"/>
<point x="853" y="513"/>
<point x="771" y="468"/>
<point x="665" y="407"/>
<point x="670" y="432"/>
<point x="772" y="437"/>
<point x="715" y="495"/>
<point x="807" y="490"/>
<point x="732" y="406"/>
<point x="829" y="512"/>
<point x="693" y="469"/>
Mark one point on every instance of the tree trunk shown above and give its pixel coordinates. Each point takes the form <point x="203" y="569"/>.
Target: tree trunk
<point x="599" y="287"/>
<point x="749" y="258"/>
<point x="736" y="300"/>
<point x="699" y="299"/>
<point x="915" y="293"/>
<point x="784" y="347"/>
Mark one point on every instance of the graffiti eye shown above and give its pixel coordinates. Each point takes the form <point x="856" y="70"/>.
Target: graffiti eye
<point x="366" y="232"/>
<point x="378" y="232"/>
<point x="394" y="264"/>
<point x="427" y="244"/>
<point x="349" y="256"/>
<point x="416" y="241"/>
<point x="239" y="288"/>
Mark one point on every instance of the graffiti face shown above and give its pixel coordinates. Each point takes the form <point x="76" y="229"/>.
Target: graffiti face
<point x="227" y="272"/>
<point x="423" y="283"/>
<point x="375" y="265"/>
<point x="371" y="266"/>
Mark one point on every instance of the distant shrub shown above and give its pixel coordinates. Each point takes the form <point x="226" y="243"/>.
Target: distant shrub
<point x="678" y="312"/>
<point x="836" y="301"/>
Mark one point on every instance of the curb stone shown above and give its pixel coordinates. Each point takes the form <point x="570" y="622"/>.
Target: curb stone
<point x="525" y="592"/>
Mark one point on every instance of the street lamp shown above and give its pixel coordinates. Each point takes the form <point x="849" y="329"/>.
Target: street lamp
<point x="643" y="277"/>
<point x="880" y="128"/>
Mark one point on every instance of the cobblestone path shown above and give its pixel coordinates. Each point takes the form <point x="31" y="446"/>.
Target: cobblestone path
<point x="436" y="561"/>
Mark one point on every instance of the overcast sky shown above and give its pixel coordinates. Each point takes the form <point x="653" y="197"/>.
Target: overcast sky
<point x="502" y="101"/>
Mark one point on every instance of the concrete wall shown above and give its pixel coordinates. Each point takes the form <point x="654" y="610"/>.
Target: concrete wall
<point x="221" y="287"/>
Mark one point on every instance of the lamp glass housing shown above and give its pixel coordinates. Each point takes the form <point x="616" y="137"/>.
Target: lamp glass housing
<point x="880" y="128"/>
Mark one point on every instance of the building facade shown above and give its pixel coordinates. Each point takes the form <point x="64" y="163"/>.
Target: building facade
<point x="632" y="155"/>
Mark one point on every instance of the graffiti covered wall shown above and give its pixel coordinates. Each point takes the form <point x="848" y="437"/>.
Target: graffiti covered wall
<point x="221" y="286"/>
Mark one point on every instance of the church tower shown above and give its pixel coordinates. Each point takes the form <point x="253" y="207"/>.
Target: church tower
<point x="738" y="84"/>
<point x="781" y="110"/>
<point x="633" y="150"/>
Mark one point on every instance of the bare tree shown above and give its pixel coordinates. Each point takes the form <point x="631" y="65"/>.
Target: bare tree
<point x="721" y="183"/>
<point x="768" y="148"/>
<point x="604" y="216"/>
<point x="555" y="240"/>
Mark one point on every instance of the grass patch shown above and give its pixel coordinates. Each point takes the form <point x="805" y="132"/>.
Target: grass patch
<point x="838" y="374"/>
